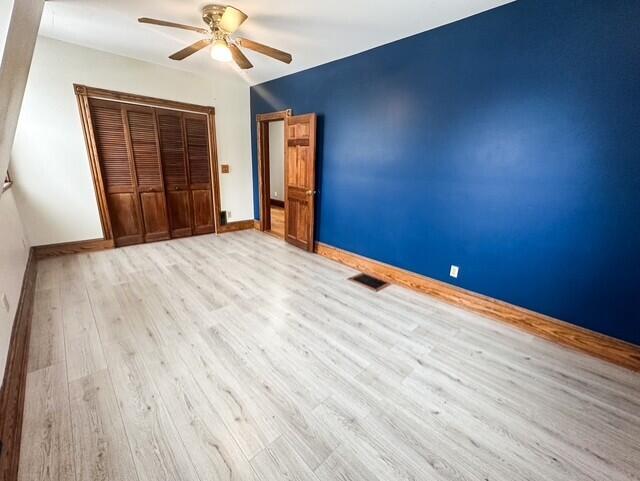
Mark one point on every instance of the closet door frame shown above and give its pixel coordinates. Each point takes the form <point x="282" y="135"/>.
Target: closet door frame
<point x="84" y="93"/>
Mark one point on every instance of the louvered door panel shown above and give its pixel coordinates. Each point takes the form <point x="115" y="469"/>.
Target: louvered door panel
<point x="117" y="172"/>
<point x="174" y="165"/>
<point x="172" y="148"/>
<point x="198" y="147"/>
<point x="199" y="166"/>
<point x="144" y="150"/>
<point x="112" y="147"/>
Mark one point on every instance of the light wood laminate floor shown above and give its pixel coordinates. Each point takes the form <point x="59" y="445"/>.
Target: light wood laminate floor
<point x="190" y="360"/>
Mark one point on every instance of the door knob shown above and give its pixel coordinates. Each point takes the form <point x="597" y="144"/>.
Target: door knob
<point x="311" y="192"/>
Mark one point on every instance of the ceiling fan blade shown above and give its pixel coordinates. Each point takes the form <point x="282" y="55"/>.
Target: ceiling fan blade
<point x="231" y="19"/>
<point x="191" y="49"/>
<point x="239" y="58"/>
<point x="163" y="23"/>
<point x="265" y="50"/>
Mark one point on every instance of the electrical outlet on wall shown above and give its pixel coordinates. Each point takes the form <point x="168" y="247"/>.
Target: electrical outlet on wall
<point x="228" y="214"/>
<point x="275" y="194"/>
<point x="5" y="302"/>
<point x="453" y="272"/>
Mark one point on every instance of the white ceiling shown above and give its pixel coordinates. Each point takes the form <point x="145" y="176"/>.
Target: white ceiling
<point x="313" y="31"/>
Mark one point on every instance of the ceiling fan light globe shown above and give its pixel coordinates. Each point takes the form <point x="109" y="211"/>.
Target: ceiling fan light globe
<point x="220" y="51"/>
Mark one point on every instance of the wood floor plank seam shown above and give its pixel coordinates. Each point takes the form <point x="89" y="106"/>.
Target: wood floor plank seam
<point x="113" y="389"/>
<point x="66" y="374"/>
<point x="122" y="421"/>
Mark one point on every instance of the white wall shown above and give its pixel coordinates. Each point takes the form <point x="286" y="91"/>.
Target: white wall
<point x="14" y="251"/>
<point x="18" y="30"/>
<point x="276" y="159"/>
<point x="19" y="23"/>
<point x="6" y="7"/>
<point x="56" y="199"/>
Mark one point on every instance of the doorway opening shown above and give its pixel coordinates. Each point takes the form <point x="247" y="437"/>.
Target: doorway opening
<point x="276" y="177"/>
<point x="271" y="159"/>
<point x="295" y="145"/>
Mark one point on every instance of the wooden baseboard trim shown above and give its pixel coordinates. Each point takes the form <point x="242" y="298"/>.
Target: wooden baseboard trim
<point x="598" y="345"/>
<point x="91" y="245"/>
<point x="277" y="203"/>
<point x="256" y="224"/>
<point x="15" y="375"/>
<point x="236" y="226"/>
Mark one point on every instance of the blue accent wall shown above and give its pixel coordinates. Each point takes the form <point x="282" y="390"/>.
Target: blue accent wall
<point x="507" y="143"/>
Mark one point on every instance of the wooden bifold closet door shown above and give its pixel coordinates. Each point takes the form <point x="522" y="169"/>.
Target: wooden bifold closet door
<point x="196" y="133"/>
<point x="119" y="185"/>
<point x="156" y="171"/>
<point x="176" y="175"/>
<point x="144" y="152"/>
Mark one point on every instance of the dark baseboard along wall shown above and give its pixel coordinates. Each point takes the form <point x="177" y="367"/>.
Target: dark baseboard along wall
<point x="13" y="387"/>
<point x="75" y="247"/>
<point x="505" y="143"/>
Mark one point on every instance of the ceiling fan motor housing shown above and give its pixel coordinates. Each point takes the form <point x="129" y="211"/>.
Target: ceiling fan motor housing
<point x="211" y="14"/>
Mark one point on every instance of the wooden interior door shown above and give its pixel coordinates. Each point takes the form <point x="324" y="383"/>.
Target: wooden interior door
<point x="117" y="172"/>
<point x="176" y="174"/>
<point x="300" y="180"/>
<point x="147" y="173"/>
<point x="198" y="160"/>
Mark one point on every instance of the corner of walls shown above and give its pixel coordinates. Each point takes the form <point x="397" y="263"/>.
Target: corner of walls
<point x="18" y="39"/>
<point x="18" y="34"/>
<point x="234" y="148"/>
<point x="14" y="253"/>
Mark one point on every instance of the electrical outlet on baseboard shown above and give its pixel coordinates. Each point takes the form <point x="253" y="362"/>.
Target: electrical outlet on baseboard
<point x="5" y="302"/>
<point x="453" y="272"/>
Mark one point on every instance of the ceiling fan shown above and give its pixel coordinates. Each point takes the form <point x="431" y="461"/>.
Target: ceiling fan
<point x="222" y="21"/>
